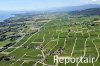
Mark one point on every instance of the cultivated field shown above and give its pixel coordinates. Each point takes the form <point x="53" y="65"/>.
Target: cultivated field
<point x="60" y="36"/>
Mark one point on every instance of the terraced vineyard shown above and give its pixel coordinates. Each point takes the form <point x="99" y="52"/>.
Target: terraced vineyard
<point x="60" y="36"/>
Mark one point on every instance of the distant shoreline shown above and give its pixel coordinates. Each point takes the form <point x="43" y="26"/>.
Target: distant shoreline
<point x="5" y="16"/>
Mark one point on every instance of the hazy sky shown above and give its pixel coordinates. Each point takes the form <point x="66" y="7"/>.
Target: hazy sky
<point x="41" y="4"/>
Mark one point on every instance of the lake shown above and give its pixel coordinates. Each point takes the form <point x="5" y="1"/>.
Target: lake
<point x="5" y="15"/>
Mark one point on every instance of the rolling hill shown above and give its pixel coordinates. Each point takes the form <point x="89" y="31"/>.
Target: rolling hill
<point x="87" y="12"/>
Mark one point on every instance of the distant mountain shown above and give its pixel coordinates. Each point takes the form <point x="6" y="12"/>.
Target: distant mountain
<point x="86" y="12"/>
<point x="74" y="8"/>
<point x="83" y="7"/>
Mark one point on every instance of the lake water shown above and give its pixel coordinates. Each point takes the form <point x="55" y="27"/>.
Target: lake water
<point x="5" y="15"/>
<point x="8" y="14"/>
